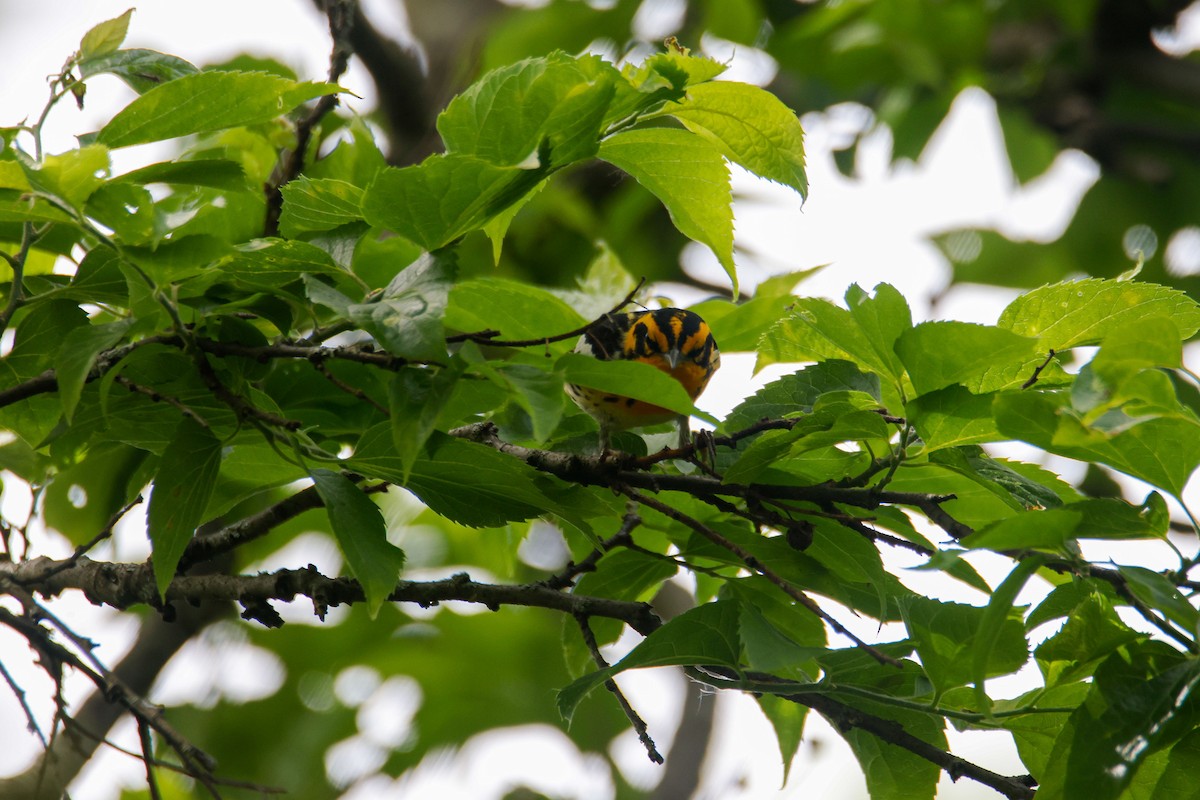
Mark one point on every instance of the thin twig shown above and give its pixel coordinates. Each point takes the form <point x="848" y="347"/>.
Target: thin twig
<point x="639" y="724"/>
<point x="1037" y="371"/>
<point x="19" y="693"/>
<point x="320" y="366"/>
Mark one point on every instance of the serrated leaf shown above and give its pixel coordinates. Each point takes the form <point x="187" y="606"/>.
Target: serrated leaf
<point x="469" y="483"/>
<point x="407" y="319"/>
<point x="547" y="104"/>
<point x="945" y="635"/>
<point x="361" y="534"/>
<point x="787" y="720"/>
<point x="207" y="101"/>
<point x="445" y="196"/>
<point x="72" y="176"/>
<point x="141" y="70"/>
<point x="1157" y="592"/>
<point x="1163" y="451"/>
<point x="980" y="357"/>
<point x="751" y="127"/>
<point x="998" y="612"/>
<point x="78" y="354"/>
<point x="817" y="330"/>
<point x="691" y="179"/>
<point x="318" y="205"/>
<point x="952" y="417"/>
<point x="1142" y="697"/>
<point x="182" y="488"/>
<point x="1074" y="313"/>
<point x="105" y="37"/>
<point x="798" y="392"/>
<point x="415" y="398"/>
<point x="219" y="173"/>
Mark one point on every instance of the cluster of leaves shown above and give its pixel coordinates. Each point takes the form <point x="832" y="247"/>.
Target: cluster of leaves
<point x="194" y="351"/>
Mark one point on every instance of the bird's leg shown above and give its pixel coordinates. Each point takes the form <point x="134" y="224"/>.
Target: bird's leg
<point x="685" y="432"/>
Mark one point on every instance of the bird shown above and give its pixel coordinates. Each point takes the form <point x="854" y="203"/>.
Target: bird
<point x="676" y="341"/>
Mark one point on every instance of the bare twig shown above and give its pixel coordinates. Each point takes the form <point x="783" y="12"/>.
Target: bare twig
<point x="639" y="724"/>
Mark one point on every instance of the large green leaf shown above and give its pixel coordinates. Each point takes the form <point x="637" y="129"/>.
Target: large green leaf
<point x="1142" y="698"/>
<point x="312" y="206"/>
<point x="1075" y="313"/>
<point x="512" y="114"/>
<point x="629" y="379"/>
<point x="361" y="534"/>
<point x="445" y="196"/>
<point x="750" y="126"/>
<point x="689" y="176"/>
<point x="207" y="101"/>
<point x="980" y="357"/>
<point x="407" y="319"/>
<point x="182" y="488"/>
<point x="1164" y="451"/>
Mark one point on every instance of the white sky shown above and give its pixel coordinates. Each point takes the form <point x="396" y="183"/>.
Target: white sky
<point x="869" y="228"/>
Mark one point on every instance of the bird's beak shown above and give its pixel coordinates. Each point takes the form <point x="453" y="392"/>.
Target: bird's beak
<point x="673" y="357"/>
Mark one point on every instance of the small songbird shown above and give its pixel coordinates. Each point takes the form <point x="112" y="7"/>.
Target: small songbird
<point x="676" y="341"/>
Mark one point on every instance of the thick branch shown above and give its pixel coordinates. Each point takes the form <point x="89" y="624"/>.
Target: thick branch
<point x="123" y="586"/>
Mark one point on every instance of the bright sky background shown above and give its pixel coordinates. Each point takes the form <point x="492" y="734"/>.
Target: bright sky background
<point x="869" y="228"/>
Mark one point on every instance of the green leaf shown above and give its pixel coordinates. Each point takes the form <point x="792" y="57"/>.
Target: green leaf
<point x="1163" y="451"/>
<point x="78" y="354"/>
<point x="689" y="176"/>
<point x="182" y="488"/>
<point x="1045" y="530"/>
<point x="1075" y="313"/>
<point x="142" y="70"/>
<point x="799" y="391"/>
<point x="817" y="330"/>
<point x="469" y="483"/>
<point x="980" y="357"/>
<point x="538" y="392"/>
<point x="703" y="636"/>
<point x="946" y="636"/>
<point x="1092" y="631"/>
<point x="207" y="101"/>
<point x="629" y="379"/>
<point x="416" y="396"/>
<point x="105" y="37"/>
<point x="318" y="205"/>
<point x="1178" y="779"/>
<point x="445" y="196"/>
<point x="82" y="498"/>
<point x="1158" y="593"/>
<point x="619" y="575"/>
<point x="361" y="534"/>
<point x="407" y="319"/>
<point x="750" y="126"/>
<point x="512" y="115"/>
<point x="219" y="173"/>
<point x="1141" y="698"/>
<point x="952" y="417"/>
<point x="72" y="176"/>
<point x="787" y="720"/>
<point x="517" y="310"/>
<point x="676" y="68"/>
<point x="994" y="622"/>
<point x="277" y="260"/>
